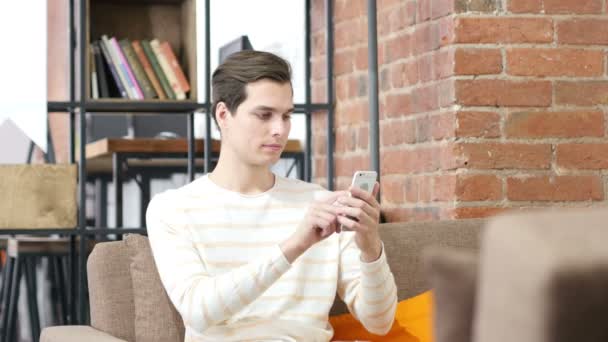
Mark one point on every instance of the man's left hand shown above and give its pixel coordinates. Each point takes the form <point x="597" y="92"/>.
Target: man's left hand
<point x="361" y="213"/>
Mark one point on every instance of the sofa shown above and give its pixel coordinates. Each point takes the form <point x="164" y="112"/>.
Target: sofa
<point x="116" y="268"/>
<point x="538" y="276"/>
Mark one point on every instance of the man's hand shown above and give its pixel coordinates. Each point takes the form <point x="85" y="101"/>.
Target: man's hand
<point x="319" y="222"/>
<point x="361" y="213"/>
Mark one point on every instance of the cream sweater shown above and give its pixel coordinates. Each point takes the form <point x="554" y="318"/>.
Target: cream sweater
<point x="219" y="259"/>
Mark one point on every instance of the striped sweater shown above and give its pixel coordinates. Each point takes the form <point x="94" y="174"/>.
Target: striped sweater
<point x="218" y="256"/>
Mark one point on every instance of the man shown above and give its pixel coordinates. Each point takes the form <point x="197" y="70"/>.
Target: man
<point x="246" y="255"/>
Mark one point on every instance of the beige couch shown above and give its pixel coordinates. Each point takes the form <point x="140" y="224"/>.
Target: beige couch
<point x="538" y="277"/>
<point x="119" y="314"/>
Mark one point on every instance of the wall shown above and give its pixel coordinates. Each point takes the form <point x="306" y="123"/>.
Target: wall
<point x="485" y="104"/>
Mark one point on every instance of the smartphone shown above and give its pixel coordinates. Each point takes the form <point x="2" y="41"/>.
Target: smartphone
<point x="365" y="180"/>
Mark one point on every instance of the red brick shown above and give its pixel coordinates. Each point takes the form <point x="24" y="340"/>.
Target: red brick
<point x="581" y="93"/>
<point x="426" y="99"/>
<point x="555" y="188"/>
<point x="397" y="132"/>
<point x="397" y="19"/>
<point x="485" y="6"/>
<point x="404" y="73"/>
<point x="347" y="165"/>
<point x="319" y="69"/>
<point x="478" y="124"/>
<point x="573" y="6"/>
<point x="445" y="27"/>
<point x="341" y="87"/>
<point x="424" y="10"/>
<point x="348" y="9"/>
<point x="343" y="62"/>
<point x="477" y="61"/>
<point x="319" y="92"/>
<point x="388" y="4"/>
<point x="485" y="92"/>
<point x="354" y="32"/>
<point x="476" y="212"/>
<point x="503" y="30"/>
<point x="422" y="39"/>
<point x="318" y="44"/>
<point x="478" y="188"/>
<point x="317" y="20"/>
<point x="351" y="112"/>
<point x="583" y="31"/>
<point x="393" y="190"/>
<point x="319" y="145"/>
<point x="423" y="128"/>
<point x="399" y="104"/>
<point x="441" y="8"/>
<point x="555" y="124"/>
<point x="447" y="92"/>
<point x="425" y="188"/>
<point x="398" y="214"/>
<point x="363" y="139"/>
<point x="444" y="188"/>
<point x="582" y="156"/>
<point x="504" y="155"/>
<point x="425" y="68"/>
<point x="320" y="167"/>
<point x="424" y="159"/>
<point x="443" y="64"/>
<point x="555" y="62"/>
<point x="398" y="47"/>
<point x="443" y="126"/>
<point x="524" y="6"/>
<point x="361" y="59"/>
<point x="411" y="189"/>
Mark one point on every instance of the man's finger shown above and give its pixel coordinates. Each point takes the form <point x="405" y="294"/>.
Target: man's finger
<point x="333" y="196"/>
<point x="364" y="195"/>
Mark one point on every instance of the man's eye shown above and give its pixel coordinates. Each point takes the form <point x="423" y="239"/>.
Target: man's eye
<point x="287" y="117"/>
<point x="265" y="116"/>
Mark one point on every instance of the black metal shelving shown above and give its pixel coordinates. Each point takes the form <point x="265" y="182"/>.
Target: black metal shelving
<point x="78" y="46"/>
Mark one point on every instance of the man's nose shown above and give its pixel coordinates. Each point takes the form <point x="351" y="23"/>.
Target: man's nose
<point x="279" y="127"/>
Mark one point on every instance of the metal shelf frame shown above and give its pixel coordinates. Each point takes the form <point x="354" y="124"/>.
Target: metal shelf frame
<point x="77" y="46"/>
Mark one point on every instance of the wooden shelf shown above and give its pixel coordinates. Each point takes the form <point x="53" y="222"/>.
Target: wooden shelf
<point x="166" y="20"/>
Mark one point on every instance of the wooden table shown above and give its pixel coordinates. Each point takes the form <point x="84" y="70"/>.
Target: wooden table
<point x="149" y="158"/>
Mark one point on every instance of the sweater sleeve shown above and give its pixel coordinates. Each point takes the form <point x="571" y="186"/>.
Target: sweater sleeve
<point x="368" y="289"/>
<point x="201" y="299"/>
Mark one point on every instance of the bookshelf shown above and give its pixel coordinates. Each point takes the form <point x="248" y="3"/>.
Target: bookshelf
<point x="167" y="20"/>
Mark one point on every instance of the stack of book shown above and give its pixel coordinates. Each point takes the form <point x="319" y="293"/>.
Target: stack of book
<point x="136" y="70"/>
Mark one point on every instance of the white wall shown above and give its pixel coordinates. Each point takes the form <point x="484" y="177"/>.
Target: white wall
<point x="13" y="144"/>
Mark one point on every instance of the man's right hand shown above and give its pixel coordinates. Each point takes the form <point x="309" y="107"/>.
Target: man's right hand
<point x="319" y="223"/>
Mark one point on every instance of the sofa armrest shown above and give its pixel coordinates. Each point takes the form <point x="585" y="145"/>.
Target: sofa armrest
<point x="76" y="333"/>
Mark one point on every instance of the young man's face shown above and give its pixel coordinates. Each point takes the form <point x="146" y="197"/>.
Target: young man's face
<point x="258" y="131"/>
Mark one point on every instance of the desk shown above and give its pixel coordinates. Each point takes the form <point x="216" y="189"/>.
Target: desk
<point x="149" y="158"/>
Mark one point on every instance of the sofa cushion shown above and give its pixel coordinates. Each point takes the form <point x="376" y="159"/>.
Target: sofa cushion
<point x="110" y="291"/>
<point x="544" y="277"/>
<point x="452" y="274"/>
<point x="412" y="323"/>
<point x="155" y="316"/>
<point x="404" y="243"/>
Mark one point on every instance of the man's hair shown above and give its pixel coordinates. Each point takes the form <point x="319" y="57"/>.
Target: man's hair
<point x="231" y="77"/>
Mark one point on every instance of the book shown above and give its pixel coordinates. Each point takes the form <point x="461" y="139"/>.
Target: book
<point x="145" y="64"/>
<point x="158" y="70"/>
<point x="177" y="69"/>
<point x="104" y="89"/>
<point x="164" y="64"/>
<point x="94" y="89"/>
<point x="113" y="61"/>
<point x="138" y="70"/>
<point x="124" y="66"/>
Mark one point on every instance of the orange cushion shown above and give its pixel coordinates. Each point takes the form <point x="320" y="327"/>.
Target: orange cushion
<point x="412" y="323"/>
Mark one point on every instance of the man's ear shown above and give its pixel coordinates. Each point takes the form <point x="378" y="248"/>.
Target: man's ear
<point x="221" y="113"/>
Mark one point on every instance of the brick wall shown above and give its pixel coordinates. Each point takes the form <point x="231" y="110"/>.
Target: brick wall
<point x="485" y="104"/>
